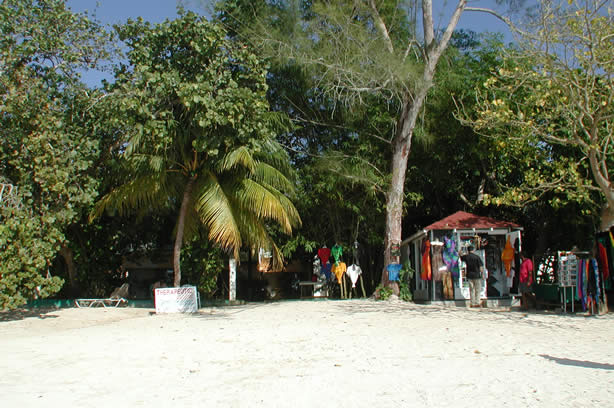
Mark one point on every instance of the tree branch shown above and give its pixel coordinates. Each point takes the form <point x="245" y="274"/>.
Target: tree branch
<point x="379" y="22"/>
<point x="506" y="20"/>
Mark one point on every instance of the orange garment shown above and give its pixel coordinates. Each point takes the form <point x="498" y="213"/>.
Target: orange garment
<point x="339" y="269"/>
<point x="426" y="261"/>
<point x="507" y="256"/>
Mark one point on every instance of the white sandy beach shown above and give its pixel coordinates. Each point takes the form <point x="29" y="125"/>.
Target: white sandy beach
<point x="355" y="353"/>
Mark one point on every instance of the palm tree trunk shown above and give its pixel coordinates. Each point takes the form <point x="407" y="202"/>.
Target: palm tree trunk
<point x="187" y="194"/>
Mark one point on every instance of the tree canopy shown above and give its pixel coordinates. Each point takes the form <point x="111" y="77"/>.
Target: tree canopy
<point x="47" y="142"/>
<point x="551" y="105"/>
<point x="198" y="136"/>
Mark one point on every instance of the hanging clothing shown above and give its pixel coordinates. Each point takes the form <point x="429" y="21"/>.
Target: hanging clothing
<point x="336" y="252"/>
<point x="437" y="265"/>
<point x="603" y="260"/>
<point x="448" y="288"/>
<point x="426" y="260"/>
<point x="338" y="270"/>
<point x="354" y="272"/>
<point x="451" y="257"/>
<point x="324" y="254"/>
<point x="326" y="270"/>
<point x="507" y="256"/>
<point x="316" y="266"/>
<point x="394" y="270"/>
<point x="265" y="258"/>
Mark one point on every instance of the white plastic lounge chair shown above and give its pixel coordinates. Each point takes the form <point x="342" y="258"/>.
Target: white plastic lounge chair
<point x="116" y="299"/>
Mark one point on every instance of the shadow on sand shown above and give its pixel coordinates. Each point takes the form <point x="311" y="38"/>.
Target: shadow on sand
<point x="578" y="363"/>
<point x="20" y="314"/>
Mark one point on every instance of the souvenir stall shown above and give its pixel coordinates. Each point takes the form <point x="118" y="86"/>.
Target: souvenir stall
<point x="435" y="251"/>
<point x="330" y="272"/>
<point x="567" y="278"/>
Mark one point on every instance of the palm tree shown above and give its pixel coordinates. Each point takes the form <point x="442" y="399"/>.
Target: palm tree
<point x="196" y="135"/>
<point x="232" y="198"/>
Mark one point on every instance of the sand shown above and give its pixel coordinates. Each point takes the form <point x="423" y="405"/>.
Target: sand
<point x="325" y="353"/>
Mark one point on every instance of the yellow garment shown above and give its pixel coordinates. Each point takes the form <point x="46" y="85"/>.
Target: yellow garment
<point x="339" y="269"/>
<point x="507" y="256"/>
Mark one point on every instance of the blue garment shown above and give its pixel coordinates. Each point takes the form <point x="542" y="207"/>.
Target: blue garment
<point x="393" y="271"/>
<point x="326" y="270"/>
<point x="595" y="269"/>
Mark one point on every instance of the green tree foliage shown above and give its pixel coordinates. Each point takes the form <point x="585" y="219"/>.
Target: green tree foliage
<point x="551" y="106"/>
<point x="198" y="136"/>
<point x="47" y="143"/>
<point x="358" y="53"/>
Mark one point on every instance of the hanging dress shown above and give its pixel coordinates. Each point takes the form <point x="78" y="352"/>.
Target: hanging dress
<point x="507" y="256"/>
<point x="437" y="265"/>
<point x="426" y="260"/>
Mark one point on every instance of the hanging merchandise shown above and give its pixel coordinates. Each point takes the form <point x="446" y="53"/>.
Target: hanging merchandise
<point x="450" y="257"/>
<point x="605" y="247"/>
<point x="394" y="271"/>
<point x="338" y="270"/>
<point x="337" y="252"/>
<point x="265" y="258"/>
<point x="438" y="267"/>
<point x="324" y="254"/>
<point x="507" y="256"/>
<point x="316" y="266"/>
<point x="326" y="270"/>
<point x="354" y="272"/>
<point x="426" y="260"/>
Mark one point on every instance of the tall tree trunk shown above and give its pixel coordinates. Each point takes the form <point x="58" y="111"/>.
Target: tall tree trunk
<point x="394" y="199"/>
<point x="187" y="195"/>
<point x="603" y="181"/>
<point x="401" y="145"/>
<point x="68" y="256"/>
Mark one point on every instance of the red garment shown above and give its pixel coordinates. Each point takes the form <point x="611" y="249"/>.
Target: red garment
<point x="603" y="261"/>
<point x="526" y="272"/>
<point x="324" y="254"/>
<point x="426" y="261"/>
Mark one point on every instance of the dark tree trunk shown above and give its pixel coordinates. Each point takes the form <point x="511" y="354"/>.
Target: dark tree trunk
<point x="71" y="269"/>
<point x="187" y="195"/>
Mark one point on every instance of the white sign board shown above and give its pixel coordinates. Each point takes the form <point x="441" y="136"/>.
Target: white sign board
<point x="176" y="300"/>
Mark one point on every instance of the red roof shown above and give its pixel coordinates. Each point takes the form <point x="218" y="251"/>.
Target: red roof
<point x="465" y="220"/>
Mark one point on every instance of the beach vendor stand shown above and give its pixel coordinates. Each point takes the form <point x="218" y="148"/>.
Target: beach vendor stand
<point x="497" y="242"/>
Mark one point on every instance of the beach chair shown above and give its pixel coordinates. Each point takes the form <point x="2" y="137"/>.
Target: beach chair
<point x="117" y="298"/>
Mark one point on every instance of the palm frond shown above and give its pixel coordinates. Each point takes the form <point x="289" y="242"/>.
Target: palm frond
<point x="241" y="156"/>
<point x="268" y="203"/>
<point x="271" y="152"/>
<point x="265" y="173"/>
<point x="216" y="213"/>
<point x="152" y="191"/>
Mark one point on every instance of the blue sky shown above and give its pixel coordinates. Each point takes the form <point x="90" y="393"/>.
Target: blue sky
<point x="118" y="11"/>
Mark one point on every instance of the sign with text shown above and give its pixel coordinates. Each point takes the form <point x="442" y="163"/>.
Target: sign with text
<point x="176" y="300"/>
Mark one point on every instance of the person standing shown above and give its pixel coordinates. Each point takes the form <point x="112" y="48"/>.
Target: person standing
<point x="525" y="280"/>
<point x="475" y="267"/>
